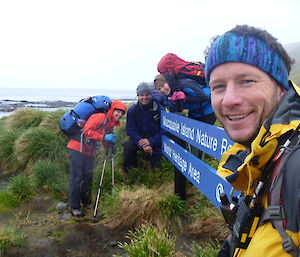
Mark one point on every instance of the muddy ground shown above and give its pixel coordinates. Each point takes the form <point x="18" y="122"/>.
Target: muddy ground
<point x="50" y="235"/>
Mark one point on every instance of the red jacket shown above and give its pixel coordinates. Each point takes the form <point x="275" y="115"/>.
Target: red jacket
<point x="93" y="130"/>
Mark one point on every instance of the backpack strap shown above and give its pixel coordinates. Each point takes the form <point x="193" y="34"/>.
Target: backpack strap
<point x="82" y="136"/>
<point x="275" y="212"/>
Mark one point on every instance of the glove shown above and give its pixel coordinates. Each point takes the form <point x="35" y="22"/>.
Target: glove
<point x="111" y="138"/>
<point x="178" y="96"/>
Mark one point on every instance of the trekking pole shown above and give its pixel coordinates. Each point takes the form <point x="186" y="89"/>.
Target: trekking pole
<point x="113" y="168"/>
<point x="99" y="188"/>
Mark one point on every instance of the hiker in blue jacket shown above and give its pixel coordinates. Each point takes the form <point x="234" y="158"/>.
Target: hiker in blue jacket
<point x="143" y="129"/>
<point x="188" y="94"/>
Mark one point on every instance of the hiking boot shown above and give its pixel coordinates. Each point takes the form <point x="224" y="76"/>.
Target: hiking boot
<point x="76" y="212"/>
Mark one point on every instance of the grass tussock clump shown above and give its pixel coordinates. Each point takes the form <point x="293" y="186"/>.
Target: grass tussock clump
<point x="10" y="237"/>
<point x="49" y="176"/>
<point x="149" y="241"/>
<point x="51" y="121"/>
<point x="7" y="200"/>
<point x="38" y="143"/>
<point x="206" y="220"/>
<point x="24" y="118"/>
<point x="172" y="211"/>
<point x="209" y="249"/>
<point x="21" y="187"/>
<point x="8" y="161"/>
<point x="129" y="208"/>
<point x="210" y="227"/>
<point x="132" y="208"/>
<point x="144" y="175"/>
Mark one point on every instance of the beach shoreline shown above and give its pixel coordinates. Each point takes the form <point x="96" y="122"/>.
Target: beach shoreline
<point x="8" y="106"/>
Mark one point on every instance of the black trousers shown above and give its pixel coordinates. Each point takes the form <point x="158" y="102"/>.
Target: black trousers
<point x="81" y="178"/>
<point x="130" y="156"/>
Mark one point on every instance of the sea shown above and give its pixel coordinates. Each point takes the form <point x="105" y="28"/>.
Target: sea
<point x="63" y="94"/>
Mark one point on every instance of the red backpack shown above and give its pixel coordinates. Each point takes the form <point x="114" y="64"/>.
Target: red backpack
<point x="175" y="66"/>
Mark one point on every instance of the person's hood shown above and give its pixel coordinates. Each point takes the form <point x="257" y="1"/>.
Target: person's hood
<point x="167" y="63"/>
<point x="116" y="104"/>
<point x="240" y="166"/>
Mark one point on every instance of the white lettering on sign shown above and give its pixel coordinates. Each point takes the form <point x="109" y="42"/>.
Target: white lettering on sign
<point x="206" y="141"/>
<point x="168" y="149"/>
<point x="224" y="145"/>
<point x="194" y="173"/>
<point x="187" y="131"/>
<point x="170" y="124"/>
<point x="180" y="161"/>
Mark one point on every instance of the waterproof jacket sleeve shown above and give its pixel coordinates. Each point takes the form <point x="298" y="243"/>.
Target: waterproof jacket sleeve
<point x="193" y="91"/>
<point x="131" y="128"/>
<point x="92" y="129"/>
<point x="155" y="140"/>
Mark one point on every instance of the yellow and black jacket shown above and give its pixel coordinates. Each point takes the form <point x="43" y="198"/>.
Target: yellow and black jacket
<point x="243" y="167"/>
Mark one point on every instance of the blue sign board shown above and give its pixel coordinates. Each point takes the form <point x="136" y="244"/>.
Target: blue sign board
<point x="208" y="138"/>
<point x="198" y="172"/>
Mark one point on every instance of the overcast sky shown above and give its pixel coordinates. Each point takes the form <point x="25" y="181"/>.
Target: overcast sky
<point x="116" y="44"/>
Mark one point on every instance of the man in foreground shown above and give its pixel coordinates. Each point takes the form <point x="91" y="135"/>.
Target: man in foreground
<point x="247" y="71"/>
<point x="143" y="129"/>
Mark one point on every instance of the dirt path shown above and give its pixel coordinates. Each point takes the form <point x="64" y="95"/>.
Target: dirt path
<point x="51" y="233"/>
<point x="48" y="235"/>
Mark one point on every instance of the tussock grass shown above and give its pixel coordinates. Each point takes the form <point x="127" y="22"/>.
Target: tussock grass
<point x="49" y="176"/>
<point x="7" y="200"/>
<point x="21" y="187"/>
<point x="24" y="118"/>
<point x="144" y="175"/>
<point x="133" y="207"/>
<point x="201" y="207"/>
<point x="51" y="121"/>
<point x="213" y="226"/>
<point x="10" y="237"/>
<point x="39" y="143"/>
<point x="148" y="241"/>
<point x="172" y="211"/>
<point x="8" y="161"/>
<point x="209" y="249"/>
<point x="129" y="208"/>
<point x="206" y="220"/>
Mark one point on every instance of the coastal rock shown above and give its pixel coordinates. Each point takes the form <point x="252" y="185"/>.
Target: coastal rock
<point x="11" y="105"/>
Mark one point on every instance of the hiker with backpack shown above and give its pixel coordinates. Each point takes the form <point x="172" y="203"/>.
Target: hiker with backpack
<point x="98" y="127"/>
<point x="186" y="93"/>
<point x="247" y="71"/>
<point x="143" y="129"/>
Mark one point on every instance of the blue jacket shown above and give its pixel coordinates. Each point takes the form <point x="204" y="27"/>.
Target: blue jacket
<point x="197" y="100"/>
<point x="144" y="122"/>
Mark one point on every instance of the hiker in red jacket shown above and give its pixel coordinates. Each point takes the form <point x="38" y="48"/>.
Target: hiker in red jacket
<point x="99" y="127"/>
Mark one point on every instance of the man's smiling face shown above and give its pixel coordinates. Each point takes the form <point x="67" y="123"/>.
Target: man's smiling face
<point x="243" y="97"/>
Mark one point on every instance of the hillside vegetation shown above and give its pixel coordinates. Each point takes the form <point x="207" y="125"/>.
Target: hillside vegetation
<point x="35" y="164"/>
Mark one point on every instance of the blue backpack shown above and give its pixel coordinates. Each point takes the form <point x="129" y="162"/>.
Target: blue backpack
<point x="73" y="120"/>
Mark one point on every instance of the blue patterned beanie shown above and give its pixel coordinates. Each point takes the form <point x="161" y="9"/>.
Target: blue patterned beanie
<point x="232" y="47"/>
